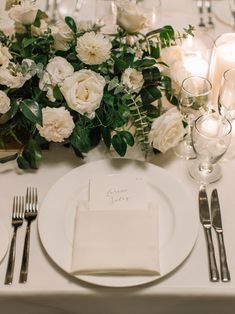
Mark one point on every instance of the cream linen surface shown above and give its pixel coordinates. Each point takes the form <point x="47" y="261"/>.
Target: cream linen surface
<point x="115" y="241"/>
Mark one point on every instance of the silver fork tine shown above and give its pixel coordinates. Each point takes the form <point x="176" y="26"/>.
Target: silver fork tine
<point x="31" y="210"/>
<point x="17" y="221"/>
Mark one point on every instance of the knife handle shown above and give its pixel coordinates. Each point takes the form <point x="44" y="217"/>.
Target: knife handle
<point x="214" y="274"/>
<point x="225" y="274"/>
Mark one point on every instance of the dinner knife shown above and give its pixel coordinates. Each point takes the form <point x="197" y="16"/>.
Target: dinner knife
<point x="217" y="225"/>
<point x="206" y="222"/>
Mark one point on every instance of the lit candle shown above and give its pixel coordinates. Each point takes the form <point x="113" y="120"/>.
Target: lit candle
<point x="223" y="59"/>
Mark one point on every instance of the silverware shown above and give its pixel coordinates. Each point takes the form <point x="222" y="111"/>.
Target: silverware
<point x="206" y="222"/>
<point x="17" y="221"/>
<point x="31" y="210"/>
<point x="217" y="225"/>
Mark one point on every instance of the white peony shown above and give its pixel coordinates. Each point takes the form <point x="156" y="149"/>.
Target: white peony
<point x="24" y="13"/>
<point x="93" y="48"/>
<point x="83" y="91"/>
<point x="62" y="35"/>
<point x="5" y="55"/>
<point x="4" y="102"/>
<point x="167" y="130"/>
<point x="130" y="16"/>
<point x="57" y="124"/>
<point x="56" y="71"/>
<point x="132" y="79"/>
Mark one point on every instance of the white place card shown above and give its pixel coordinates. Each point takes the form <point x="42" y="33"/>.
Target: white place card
<point x="119" y="192"/>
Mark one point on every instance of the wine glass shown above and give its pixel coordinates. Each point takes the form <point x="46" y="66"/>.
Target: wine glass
<point x="194" y="100"/>
<point x="211" y="137"/>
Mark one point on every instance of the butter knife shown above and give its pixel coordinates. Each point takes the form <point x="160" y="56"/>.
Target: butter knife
<point x="217" y="225"/>
<point x="206" y="222"/>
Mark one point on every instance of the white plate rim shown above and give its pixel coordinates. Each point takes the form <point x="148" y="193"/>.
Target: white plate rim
<point x="114" y="166"/>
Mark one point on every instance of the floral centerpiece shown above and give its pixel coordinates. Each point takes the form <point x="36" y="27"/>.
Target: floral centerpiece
<point x="71" y="83"/>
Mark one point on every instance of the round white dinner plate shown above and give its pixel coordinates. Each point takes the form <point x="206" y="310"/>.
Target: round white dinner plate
<point x="178" y="218"/>
<point x="4" y="239"/>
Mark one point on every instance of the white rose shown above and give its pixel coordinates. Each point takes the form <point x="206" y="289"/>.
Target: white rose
<point x="37" y="31"/>
<point x="6" y="24"/>
<point x="62" y="35"/>
<point x="93" y="48"/>
<point x="5" y="55"/>
<point x="83" y="91"/>
<point x="57" y="124"/>
<point x="167" y="130"/>
<point x="172" y="54"/>
<point x="130" y="16"/>
<point x="24" y="13"/>
<point x="132" y="79"/>
<point x="4" y="102"/>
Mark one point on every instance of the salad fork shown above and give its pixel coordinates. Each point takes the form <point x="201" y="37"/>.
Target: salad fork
<point x="17" y="221"/>
<point x="31" y="210"/>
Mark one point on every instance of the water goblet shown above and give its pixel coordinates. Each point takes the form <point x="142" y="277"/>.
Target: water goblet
<point x="194" y="100"/>
<point x="211" y="137"/>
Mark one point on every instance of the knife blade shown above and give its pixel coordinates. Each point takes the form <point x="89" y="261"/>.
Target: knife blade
<point x="205" y="219"/>
<point x="217" y="225"/>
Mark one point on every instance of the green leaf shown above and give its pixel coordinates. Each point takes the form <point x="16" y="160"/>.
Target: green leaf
<point x="154" y="52"/>
<point x="22" y="163"/>
<point x="145" y="63"/>
<point x="71" y="23"/>
<point x="80" y="139"/>
<point x="150" y="94"/>
<point x="120" y="65"/>
<point x="151" y="75"/>
<point x="32" y="154"/>
<point x="10" y="113"/>
<point x="31" y="110"/>
<point x="106" y="136"/>
<point x="57" y="93"/>
<point x="128" y="137"/>
<point x="8" y="158"/>
<point x="119" y="144"/>
<point x="27" y="42"/>
<point x="113" y="83"/>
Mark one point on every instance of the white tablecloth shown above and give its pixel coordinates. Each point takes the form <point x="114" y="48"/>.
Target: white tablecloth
<point x="49" y="290"/>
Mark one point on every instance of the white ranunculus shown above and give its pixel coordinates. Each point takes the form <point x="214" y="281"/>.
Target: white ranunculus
<point x="5" y="55"/>
<point x="83" y="91"/>
<point x="93" y="48"/>
<point x="130" y="16"/>
<point x="62" y="35"/>
<point x="4" y="102"/>
<point x="57" y="124"/>
<point x="24" y="13"/>
<point x="132" y="79"/>
<point x="6" y="24"/>
<point x="167" y="130"/>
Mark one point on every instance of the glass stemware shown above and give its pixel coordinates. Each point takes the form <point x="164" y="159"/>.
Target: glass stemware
<point x="211" y="137"/>
<point x="226" y="104"/>
<point x="194" y="100"/>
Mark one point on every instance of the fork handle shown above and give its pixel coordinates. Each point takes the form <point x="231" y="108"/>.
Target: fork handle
<point x="11" y="260"/>
<point x="25" y="257"/>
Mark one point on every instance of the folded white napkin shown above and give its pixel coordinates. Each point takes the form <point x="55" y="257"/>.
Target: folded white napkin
<point x="115" y="241"/>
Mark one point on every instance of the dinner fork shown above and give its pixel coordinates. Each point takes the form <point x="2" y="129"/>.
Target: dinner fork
<point x="17" y="221"/>
<point x="31" y="210"/>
